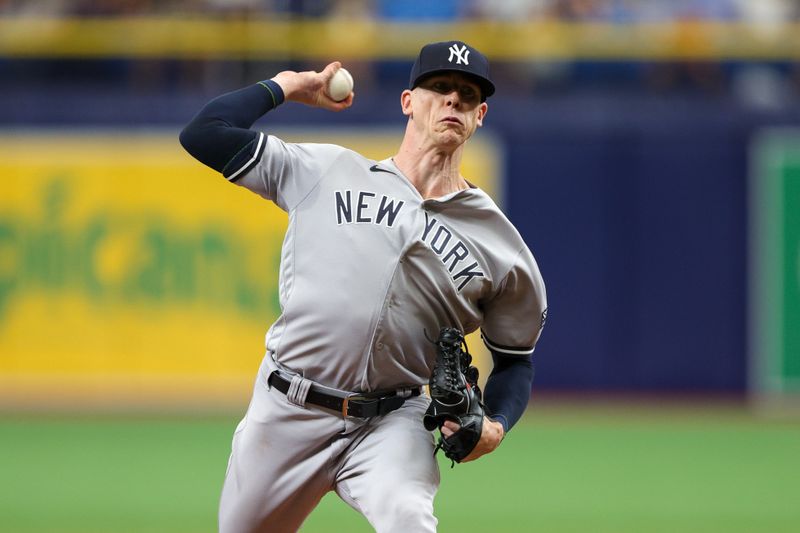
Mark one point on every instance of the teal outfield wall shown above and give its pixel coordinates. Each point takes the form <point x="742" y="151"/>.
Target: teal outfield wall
<point x="775" y="262"/>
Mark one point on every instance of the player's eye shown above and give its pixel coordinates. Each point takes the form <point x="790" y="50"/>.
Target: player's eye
<point x="467" y="93"/>
<point x="442" y="87"/>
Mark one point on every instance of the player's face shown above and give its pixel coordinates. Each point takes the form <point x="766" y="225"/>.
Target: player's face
<point x="447" y="107"/>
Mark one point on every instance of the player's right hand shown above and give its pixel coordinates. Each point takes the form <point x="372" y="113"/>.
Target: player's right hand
<point x="309" y="87"/>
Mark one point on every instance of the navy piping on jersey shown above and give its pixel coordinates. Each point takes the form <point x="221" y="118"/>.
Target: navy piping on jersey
<point x="510" y="350"/>
<point x="260" y="144"/>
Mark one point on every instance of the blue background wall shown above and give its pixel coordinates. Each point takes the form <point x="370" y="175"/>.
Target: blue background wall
<point x="639" y="222"/>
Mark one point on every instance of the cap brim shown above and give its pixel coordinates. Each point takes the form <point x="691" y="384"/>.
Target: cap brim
<point x="487" y="87"/>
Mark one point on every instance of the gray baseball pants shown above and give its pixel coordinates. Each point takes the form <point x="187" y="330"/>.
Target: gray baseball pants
<point x="285" y="458"/>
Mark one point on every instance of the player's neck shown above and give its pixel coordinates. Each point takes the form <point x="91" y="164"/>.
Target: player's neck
<point x="432" y="172"/>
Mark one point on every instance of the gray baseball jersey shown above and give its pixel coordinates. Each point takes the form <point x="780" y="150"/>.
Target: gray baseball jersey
<point x="368" y="267"/>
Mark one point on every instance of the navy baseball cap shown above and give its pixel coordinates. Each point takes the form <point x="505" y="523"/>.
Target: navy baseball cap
<point x="452" y="56"/>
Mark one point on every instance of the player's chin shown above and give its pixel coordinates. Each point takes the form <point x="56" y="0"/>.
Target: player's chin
<point x="451" y="138"/>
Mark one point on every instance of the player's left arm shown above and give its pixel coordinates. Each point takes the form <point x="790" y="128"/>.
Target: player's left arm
<point x="506" y="395"/>
<point x="514" y="320"/>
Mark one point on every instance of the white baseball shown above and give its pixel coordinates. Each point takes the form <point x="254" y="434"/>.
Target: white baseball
<point x="341" y="85"/>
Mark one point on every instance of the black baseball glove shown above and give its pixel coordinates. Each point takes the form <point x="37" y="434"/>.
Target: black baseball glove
<point x="454" y="396"/>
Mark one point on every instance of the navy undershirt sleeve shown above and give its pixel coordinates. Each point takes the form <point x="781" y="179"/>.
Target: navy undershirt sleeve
<point x="508" y="388"/>
<point x="220" y="136"/>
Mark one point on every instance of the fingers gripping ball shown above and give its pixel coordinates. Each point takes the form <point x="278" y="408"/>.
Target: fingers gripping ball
<point x="455" y="396"/>
<point x="340" y="85"/>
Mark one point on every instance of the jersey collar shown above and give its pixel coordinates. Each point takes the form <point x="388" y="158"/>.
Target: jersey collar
<point x="388" y="165"/>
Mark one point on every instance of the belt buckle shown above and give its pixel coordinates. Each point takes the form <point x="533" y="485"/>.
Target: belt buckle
<point x="346" y="403"/>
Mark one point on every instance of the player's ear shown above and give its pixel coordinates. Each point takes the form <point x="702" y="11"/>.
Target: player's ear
<point x="405" y="102"/>
<point x="482" y="110"/>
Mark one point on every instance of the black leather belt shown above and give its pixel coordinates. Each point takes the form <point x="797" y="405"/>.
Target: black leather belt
<point x="358" y="405"/>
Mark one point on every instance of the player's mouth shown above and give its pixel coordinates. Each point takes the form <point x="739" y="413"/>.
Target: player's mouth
<point x="452" y="120"/>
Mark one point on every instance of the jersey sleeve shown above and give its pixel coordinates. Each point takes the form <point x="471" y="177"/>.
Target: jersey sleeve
<point x="287" y="172"/>
<point x="515" y="316"/>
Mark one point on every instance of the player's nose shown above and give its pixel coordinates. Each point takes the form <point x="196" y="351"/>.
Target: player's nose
<point x="453" y="99"/>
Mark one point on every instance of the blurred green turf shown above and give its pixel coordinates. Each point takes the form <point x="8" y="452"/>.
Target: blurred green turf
<point x="574" y="469"/>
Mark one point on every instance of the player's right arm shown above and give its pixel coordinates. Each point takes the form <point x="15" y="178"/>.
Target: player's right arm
<point x="220" y="137"/>
<point x="309" y="88"/>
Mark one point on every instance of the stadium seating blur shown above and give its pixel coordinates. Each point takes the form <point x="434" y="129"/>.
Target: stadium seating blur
<point x="688" y="47"/>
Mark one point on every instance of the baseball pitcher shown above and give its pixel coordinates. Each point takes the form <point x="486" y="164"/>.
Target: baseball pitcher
<point x="385" y="266"/>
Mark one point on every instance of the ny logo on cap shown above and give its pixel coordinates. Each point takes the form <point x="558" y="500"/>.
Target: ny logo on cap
<point x="461" y="55"/>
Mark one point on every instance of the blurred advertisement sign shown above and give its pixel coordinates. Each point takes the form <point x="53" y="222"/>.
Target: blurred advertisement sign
<point x="133" y="276"/>
<point x="775" y="265"/>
